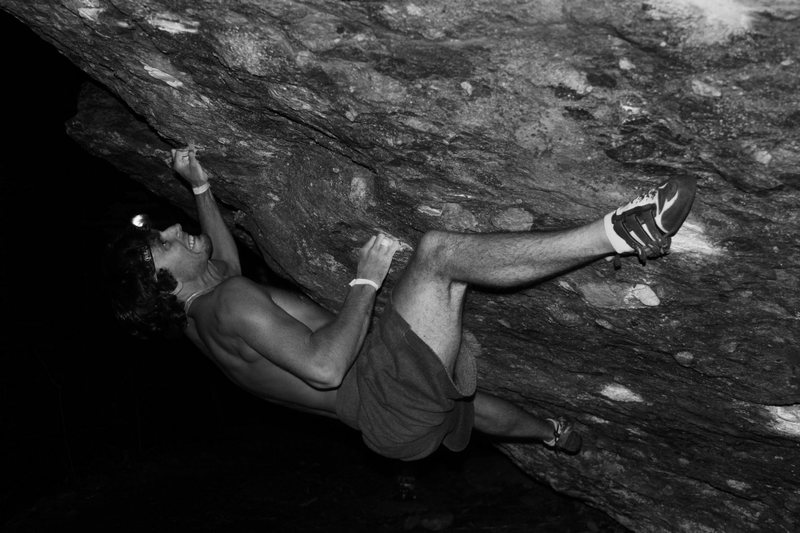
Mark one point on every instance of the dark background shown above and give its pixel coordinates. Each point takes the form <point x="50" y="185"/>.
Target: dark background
<point x="104" y="432"/>
<point x="79" y="397"/>
<point x="75" y="389"/>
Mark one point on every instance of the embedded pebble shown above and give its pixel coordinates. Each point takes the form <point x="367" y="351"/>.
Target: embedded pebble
<point x="684" y="358"/>
<point x="564" y="316"/>
<point x="414" y="10"/>
<point x="172" y="23"/>
<point x="428" y="210"/>
<point x="457" y="218"/>
<point x="620" y="393"/>
<point x="360" y="190"/>
<point x="738" y="485"/>
<point x="785" y="418"/>
<point x="603" y="323"/>
<point x="618" y="295"/>
<point x="702" y="88"/>
<point x="645" y="294"/>
<point x="163" y="76"/>
<point x="513" y="219"/>
<point x="762" y="156"/>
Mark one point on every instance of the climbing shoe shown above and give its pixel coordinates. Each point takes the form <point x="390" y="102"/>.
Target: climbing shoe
<point x="645" y="225"/>
<point x="565" y="437"/>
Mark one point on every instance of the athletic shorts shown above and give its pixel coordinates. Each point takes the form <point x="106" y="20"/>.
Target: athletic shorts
<point x="402" y="398"/>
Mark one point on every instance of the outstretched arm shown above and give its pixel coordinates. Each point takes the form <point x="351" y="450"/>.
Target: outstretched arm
<point x="322" y="357"/>
<point x="185" y="163"/>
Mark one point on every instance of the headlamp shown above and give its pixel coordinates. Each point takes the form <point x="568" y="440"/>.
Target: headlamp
<point x="141" y="221"/>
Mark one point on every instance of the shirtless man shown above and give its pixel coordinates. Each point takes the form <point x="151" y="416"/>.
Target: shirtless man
<point x="405" y="385"/>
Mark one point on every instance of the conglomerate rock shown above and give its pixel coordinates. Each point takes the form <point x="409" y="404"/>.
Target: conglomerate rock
<point x="322" y="122"/>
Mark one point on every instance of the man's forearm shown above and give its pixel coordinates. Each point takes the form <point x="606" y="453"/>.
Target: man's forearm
<point x="340" y="341"/>
<point x="212" y="224"/>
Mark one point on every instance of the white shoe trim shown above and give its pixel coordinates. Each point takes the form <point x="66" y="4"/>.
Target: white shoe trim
<point x="664" y="209"/>
<point x="619" y="244"/>
<point x="556" y="428"/>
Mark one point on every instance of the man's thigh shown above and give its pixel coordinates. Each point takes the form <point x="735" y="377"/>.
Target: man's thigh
<point x="432" y="307"/>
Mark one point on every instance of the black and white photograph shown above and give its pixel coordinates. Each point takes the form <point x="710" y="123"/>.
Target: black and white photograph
<point x="518" y="266"/>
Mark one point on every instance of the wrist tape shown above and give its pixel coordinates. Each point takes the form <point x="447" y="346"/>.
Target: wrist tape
<point x="200" y="189"/>
<point x="362" y="281"/>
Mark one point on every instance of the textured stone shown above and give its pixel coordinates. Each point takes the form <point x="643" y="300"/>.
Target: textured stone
<point x="324" y="121"/>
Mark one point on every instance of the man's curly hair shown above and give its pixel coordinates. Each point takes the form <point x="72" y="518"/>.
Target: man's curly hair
<point x="141" y="298"/>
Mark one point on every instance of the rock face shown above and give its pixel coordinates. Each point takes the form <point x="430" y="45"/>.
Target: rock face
<point x="324" y="121"/>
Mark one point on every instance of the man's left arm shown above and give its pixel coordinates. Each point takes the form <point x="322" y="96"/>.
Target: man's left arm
<point x="185" y="163"/>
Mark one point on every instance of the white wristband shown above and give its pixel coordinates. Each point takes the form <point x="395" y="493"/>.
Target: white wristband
<point x="362" y="281"/>
<point x="201" y="188"/>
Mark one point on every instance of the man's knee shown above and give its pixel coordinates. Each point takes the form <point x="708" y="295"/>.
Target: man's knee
<point x="431" y="266"/>
<point x="431" y="252"/>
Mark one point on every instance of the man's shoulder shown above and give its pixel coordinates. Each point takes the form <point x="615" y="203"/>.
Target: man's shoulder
<point x="241" y="293"/>
<point x="235" y="284"/>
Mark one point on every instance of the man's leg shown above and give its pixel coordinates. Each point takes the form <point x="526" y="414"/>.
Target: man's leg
<point x="501" y="418"/>
<point x="430" y="294"/>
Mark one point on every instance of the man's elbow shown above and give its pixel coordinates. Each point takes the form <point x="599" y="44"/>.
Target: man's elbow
<point x="326" y="376"/>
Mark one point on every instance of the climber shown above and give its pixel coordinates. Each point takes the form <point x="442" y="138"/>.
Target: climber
<point x="406" y="385"/>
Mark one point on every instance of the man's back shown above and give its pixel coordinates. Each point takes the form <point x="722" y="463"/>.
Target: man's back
<point x="213" y="325"/>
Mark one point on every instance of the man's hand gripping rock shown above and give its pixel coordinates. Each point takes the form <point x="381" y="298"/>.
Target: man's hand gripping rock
<point x="185" y="163"/>
<point x="375" y="258"/>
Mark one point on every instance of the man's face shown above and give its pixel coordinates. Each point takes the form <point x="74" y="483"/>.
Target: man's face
<point x="185" y="256"/>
